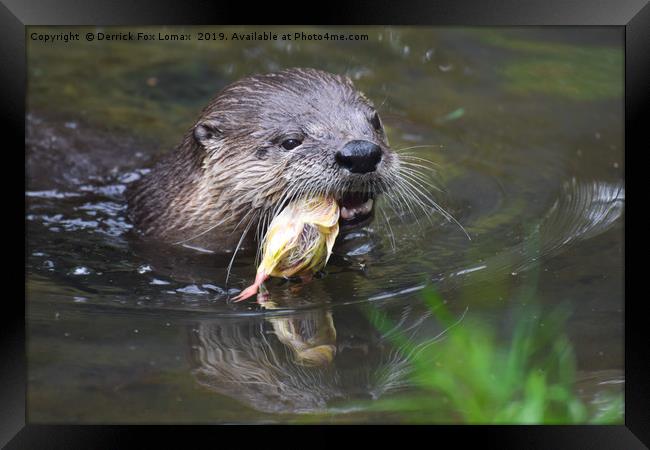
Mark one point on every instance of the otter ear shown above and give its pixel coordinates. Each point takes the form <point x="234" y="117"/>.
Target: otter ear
<point x="207" y="131"/>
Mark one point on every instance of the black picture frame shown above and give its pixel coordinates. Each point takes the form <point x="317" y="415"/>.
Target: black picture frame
<point x="633" y="15"/>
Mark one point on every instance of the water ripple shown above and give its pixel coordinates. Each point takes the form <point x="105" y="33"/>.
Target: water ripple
<point x="584" y="210"/>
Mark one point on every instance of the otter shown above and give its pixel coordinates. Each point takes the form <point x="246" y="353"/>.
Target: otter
<point x="261" y="142"/>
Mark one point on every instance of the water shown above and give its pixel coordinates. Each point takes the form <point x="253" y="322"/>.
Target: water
<point x="524" y="125"/>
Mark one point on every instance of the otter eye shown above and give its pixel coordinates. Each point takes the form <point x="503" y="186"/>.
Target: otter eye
<point x="374" y="120"/>
<point x="291" y="143"/>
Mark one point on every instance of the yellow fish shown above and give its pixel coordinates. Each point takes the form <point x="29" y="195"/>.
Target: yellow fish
<point x="298" y="241"/>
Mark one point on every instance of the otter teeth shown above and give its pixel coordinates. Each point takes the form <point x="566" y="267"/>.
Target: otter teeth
<point x="351" y="213"/>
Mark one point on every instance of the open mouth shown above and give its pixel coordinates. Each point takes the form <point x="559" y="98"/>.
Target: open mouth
<point x="356" y="208"/>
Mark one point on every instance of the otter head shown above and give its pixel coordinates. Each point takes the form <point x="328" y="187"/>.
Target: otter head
<point x="299" y="132"/>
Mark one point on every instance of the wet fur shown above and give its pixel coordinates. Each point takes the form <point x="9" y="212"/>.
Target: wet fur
<point x="230" y="175"/>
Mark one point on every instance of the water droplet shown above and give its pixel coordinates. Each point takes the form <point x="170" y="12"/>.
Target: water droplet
<point x="81" y="270"/>
<point x="144" y="268"/>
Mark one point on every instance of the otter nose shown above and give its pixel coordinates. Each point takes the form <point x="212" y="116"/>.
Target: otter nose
<point x="359" y="156"/>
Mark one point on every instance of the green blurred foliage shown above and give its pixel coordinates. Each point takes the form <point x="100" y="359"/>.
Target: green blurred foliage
<point x="571" y="71"/>
<point x="470" y="373"/>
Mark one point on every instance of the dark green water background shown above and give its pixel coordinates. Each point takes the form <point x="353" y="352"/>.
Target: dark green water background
<point x="525" y="125"/>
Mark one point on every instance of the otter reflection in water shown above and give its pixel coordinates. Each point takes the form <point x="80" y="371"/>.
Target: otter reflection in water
<point x="305" y="361"/>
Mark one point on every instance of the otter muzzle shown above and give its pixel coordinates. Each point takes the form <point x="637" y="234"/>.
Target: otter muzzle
<point x="359" y="156"/>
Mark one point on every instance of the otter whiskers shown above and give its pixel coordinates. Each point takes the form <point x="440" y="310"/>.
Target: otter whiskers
<point x="413" y="183"/>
